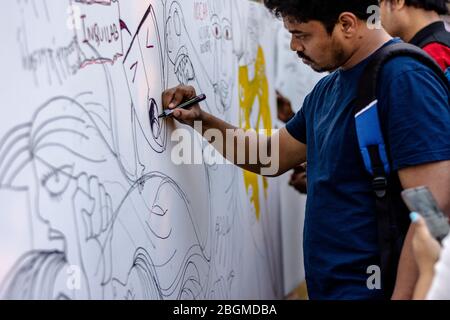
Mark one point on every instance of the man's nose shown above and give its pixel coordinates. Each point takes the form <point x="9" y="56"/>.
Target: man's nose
<point x="297" y="46"/>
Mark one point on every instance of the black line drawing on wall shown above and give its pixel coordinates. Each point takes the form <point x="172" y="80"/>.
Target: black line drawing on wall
<point x="144" y="46"/>
<point x="50" y="61"/>
<point x="188" y="63"/>
<point x="190" y="68"/>
<point x="65" y="189"/>
<point x="88" y="159"/>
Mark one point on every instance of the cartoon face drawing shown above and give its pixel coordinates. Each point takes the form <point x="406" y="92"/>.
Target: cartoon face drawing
<point x="145" y="78"/>
<point x="71" y="197"/>
<point x="84" y="166"/>
<point x="223" y="52"/>
<point x="63" y="146"/>
<point x="216" y="68"/>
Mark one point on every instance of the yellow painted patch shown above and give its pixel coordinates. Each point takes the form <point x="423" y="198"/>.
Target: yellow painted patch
<point x="254" y="97"/>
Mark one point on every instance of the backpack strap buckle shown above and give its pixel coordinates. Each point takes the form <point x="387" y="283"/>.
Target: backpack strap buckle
<point x="379" y="185"/>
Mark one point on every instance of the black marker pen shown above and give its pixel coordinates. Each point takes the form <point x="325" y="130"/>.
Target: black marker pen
<point x="184" y="105"/>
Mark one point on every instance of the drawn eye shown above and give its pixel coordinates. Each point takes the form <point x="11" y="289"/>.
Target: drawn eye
<point x="57" y="180"/>
<point x="154" y="123"/>
<point x="216" y="31"/>
<point x="227" y="31"/>
<point x="216" y="28"/>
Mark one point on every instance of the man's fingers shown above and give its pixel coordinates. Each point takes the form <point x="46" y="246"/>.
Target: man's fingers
<point x="177" y="99"/>
<point x="174" y="97"/>
<point x="183" y="115"/>
<point x="167" y="97"/>
<point x="177" y="114"/>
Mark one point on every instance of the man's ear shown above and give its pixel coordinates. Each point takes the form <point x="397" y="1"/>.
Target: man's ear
<point x="348" y="24"/>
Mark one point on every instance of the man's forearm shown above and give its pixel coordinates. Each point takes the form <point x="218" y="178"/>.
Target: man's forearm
<point x="265" y="154"/>
<point x="238" y="146"/>
<point x="407" y="273"/>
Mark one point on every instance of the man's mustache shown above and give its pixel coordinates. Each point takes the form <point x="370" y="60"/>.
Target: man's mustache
<point x="303" y="56"/>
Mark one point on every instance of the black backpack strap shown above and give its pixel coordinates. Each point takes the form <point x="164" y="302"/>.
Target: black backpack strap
<point x="369" y="79"/>
<point x="434" y="33"/>
<point x="391" y="212"/>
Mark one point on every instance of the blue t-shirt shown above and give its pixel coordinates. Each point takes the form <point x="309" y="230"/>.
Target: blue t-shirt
<point x="340" y="232"/>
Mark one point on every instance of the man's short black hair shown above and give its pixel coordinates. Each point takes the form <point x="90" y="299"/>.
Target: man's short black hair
<point x="439" y="6"/>
<point x="325" y="11"/>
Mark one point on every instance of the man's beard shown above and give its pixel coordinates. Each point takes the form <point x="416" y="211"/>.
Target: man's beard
<point x="338" y="60"/>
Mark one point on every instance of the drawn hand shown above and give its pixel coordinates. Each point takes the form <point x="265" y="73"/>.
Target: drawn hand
<point x="174" y="97"/>
<point x="94" y="205"/>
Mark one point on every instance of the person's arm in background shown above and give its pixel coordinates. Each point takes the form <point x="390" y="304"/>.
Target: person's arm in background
<point x="436" y="176"/>
<point x="426" y="252"/>
<point x="291" y="152"/>
<point x="440" y="286"/>
<point x="298" y="178"/>
<point x="284" y="108"/>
